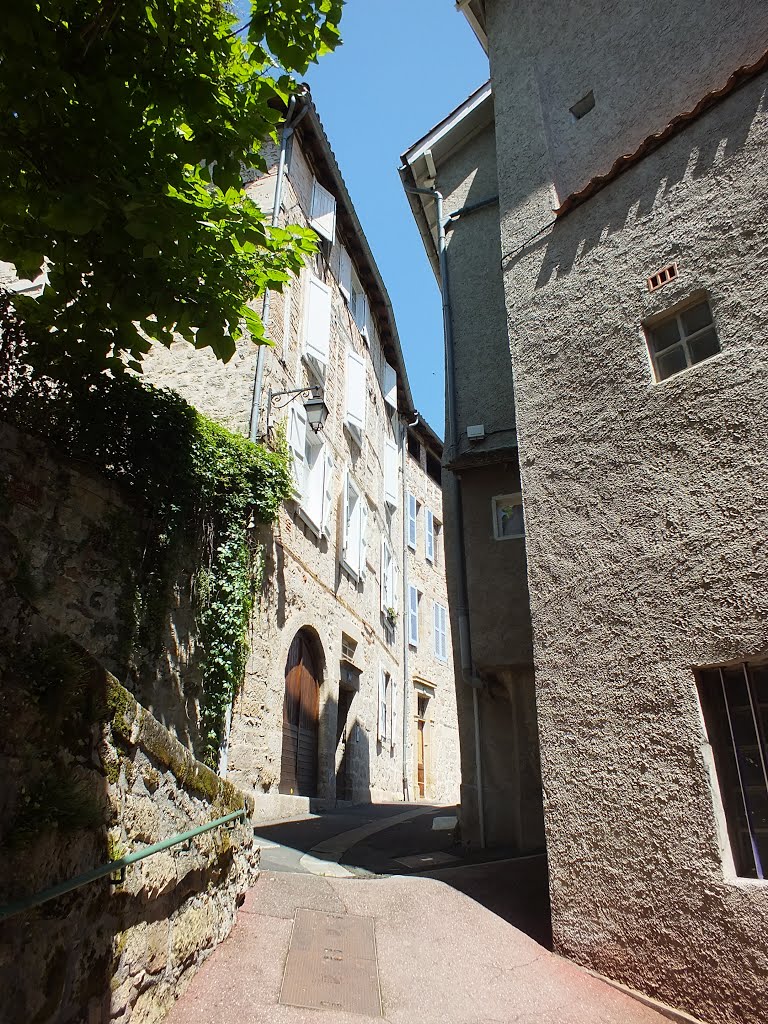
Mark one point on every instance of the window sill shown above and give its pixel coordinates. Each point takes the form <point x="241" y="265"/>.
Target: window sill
<point x="512" y="536"/>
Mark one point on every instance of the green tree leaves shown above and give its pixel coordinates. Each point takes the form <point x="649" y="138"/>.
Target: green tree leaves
<point x="126" y="126"/>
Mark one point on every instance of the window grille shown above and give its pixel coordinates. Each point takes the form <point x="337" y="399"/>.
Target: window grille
<point x="734" y="700"/>
<point x="662" y="277"/>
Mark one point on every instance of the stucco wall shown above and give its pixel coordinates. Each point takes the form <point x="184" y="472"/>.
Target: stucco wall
<point x="645" y="503"/>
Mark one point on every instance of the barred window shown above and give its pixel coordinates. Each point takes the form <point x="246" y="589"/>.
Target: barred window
<point x="734" y="699"/>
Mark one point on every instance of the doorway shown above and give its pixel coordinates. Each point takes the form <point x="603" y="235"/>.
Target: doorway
<point x="421" y="745"/>
<point x="301" y="705"/>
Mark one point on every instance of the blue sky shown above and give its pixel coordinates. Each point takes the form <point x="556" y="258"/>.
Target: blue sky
<point x="403" y="65"/>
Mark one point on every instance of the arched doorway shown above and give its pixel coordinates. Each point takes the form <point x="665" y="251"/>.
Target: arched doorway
<point x="298" y="764"/>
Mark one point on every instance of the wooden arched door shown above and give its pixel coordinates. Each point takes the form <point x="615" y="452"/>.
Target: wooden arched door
<point x="298" y="766"/>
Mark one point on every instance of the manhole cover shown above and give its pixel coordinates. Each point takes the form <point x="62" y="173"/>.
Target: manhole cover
<point x="331" y="964"/>
<point x="427" y="860"/>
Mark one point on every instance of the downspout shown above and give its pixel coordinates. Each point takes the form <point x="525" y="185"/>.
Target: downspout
<point x="289" y="126"/>
<point x="468" y="674"/>
<point x="406" y="648"/>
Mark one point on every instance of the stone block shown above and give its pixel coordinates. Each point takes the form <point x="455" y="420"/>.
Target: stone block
<point x="194" y="929"/>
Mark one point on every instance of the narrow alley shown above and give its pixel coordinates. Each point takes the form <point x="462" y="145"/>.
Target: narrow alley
<point x="375" y="912"/>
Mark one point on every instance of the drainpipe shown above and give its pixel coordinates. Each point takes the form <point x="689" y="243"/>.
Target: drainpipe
<point x="468" y="673"/>
<point x="289" y="126"/>
<point x="406" y="649"/>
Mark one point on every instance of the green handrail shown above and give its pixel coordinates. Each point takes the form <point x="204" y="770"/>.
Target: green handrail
<point x="114" y="866"/>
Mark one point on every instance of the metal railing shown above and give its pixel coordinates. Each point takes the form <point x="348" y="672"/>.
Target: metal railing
<point x="114" y="867"/>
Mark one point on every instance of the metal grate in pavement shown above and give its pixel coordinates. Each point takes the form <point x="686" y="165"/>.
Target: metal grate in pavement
<point x="331" y="964"/>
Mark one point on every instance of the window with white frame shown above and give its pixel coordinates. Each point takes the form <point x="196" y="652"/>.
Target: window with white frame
<point x="355" y="523"/>
<point x="312" y="468"/>
<point x="358" y="305"/>
<point x="345" y="273"/>
<point x="412" y="510"/>
<point x="441" y="632"/>
<point x="390" y="473"/>
<point x="390" y="385"/>
<point x="508" y="516"/>
<point x="678" y="340"/>
<point x="386" y="727"/>
<point x="413" y="616"/>
<point x="323" y="211"/>
<point x="317" y="325"/>
<point x="356" y="395"/>
<point x="389" y="601"/>
<point x="429" y="535"/>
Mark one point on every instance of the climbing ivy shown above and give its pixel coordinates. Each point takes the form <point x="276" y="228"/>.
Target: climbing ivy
<point x="198" y="486"/>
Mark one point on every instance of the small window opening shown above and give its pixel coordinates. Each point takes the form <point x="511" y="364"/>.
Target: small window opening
<point x="584" y="105"/>
<point x="434" y="469"/>
<point x="414" y="448"/>
<point x="679" y="340"/>
<point x="348" y="647"/>
<point x="734" y="700"/>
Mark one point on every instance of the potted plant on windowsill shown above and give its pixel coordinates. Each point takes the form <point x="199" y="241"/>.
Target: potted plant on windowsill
<point x="391" y="616"/>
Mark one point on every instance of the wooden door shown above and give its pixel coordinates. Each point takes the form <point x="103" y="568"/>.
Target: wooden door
<point x="298" y="767"/>
<point x="420" y="764"/>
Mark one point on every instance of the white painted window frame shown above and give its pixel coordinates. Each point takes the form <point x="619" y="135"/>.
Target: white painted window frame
<point x="497" y="502"/>
<point x="412" y="510"/>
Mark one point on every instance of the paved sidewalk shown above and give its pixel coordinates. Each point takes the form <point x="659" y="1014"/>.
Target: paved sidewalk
<point x="442" y="959"/>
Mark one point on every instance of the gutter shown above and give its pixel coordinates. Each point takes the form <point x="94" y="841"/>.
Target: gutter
<point x="468" y="674"/>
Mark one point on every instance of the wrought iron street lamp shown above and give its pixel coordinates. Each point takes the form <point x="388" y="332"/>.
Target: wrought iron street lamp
<point x="314" y="406"/>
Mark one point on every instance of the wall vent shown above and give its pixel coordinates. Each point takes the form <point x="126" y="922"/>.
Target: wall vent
<point x="584" y="105"/>
<point x="662" y="277"/>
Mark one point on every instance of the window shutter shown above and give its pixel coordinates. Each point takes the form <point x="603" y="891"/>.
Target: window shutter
<point x="390" y="473"/>
<point x="412" y="521"/>
<point x="413" y="616"/>
<point x="345" y="515"/>
<point x="297" y="437"/>
<point x="395" y="585"/>
<point x="363" y="506"/>
<point x="393" y="705"/>
<point x="385" y="560"/>
<point x="345" y="273"/>
<point x="429" y="536"/>
<point x="317" y="325"/>
<point x="323" y="216"/>
<point x="360" y="312"/>
<point x="381" y="722"/>
<point x="314" y="488"/>
<point x="355" y="394"/>
<point x="441" y="632"/>
<point x="437" y="629"/>
<point x="327" y="492"/>
<point x="390" y="385"/>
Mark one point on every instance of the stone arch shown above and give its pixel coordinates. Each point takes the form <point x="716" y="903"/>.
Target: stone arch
<point x="301" y="714"/>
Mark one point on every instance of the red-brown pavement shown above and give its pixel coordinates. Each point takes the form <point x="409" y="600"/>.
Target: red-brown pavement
<point x="442" y="958"/>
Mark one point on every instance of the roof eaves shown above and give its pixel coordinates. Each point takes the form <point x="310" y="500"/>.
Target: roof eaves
<point x="739" y="78"/>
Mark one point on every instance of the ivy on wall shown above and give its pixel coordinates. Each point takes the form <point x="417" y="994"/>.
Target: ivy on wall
<point x="198" y="486"/>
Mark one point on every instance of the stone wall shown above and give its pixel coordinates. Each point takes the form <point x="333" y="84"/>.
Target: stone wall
<point x="77" y="544"/>
<point x="88" y="777"/>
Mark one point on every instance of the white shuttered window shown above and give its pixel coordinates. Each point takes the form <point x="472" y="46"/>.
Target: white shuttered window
<point x="323" y="216"/>
<point x="413" y="616"/>
<point x="382" y="725"/>
<point x="355" y="522"/>
<point x="429" y="536"/>
<point x="390" y="473"/>
<point x="317" y="325"/>
<point x="389" y="577"/>
<point x="441" y="632"/>
<point x="345" y="273"/>
<point x="390" y="385"/>
<point x="412" y="521"/>
<point x="312" y="472"/>
<point x="356" y="395"/>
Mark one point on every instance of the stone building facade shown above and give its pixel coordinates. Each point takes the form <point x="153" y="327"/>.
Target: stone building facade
<point x="321" y="712"/>
<point x="631" y="239"/>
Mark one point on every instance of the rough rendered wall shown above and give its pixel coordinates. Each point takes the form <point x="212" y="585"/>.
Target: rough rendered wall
<point x="442" y="765"/>
<point x="645" y="502"/>
<point x="496" y="570"/>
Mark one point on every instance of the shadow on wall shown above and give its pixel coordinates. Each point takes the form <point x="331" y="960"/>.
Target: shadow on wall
<point x="701" y="147"/>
